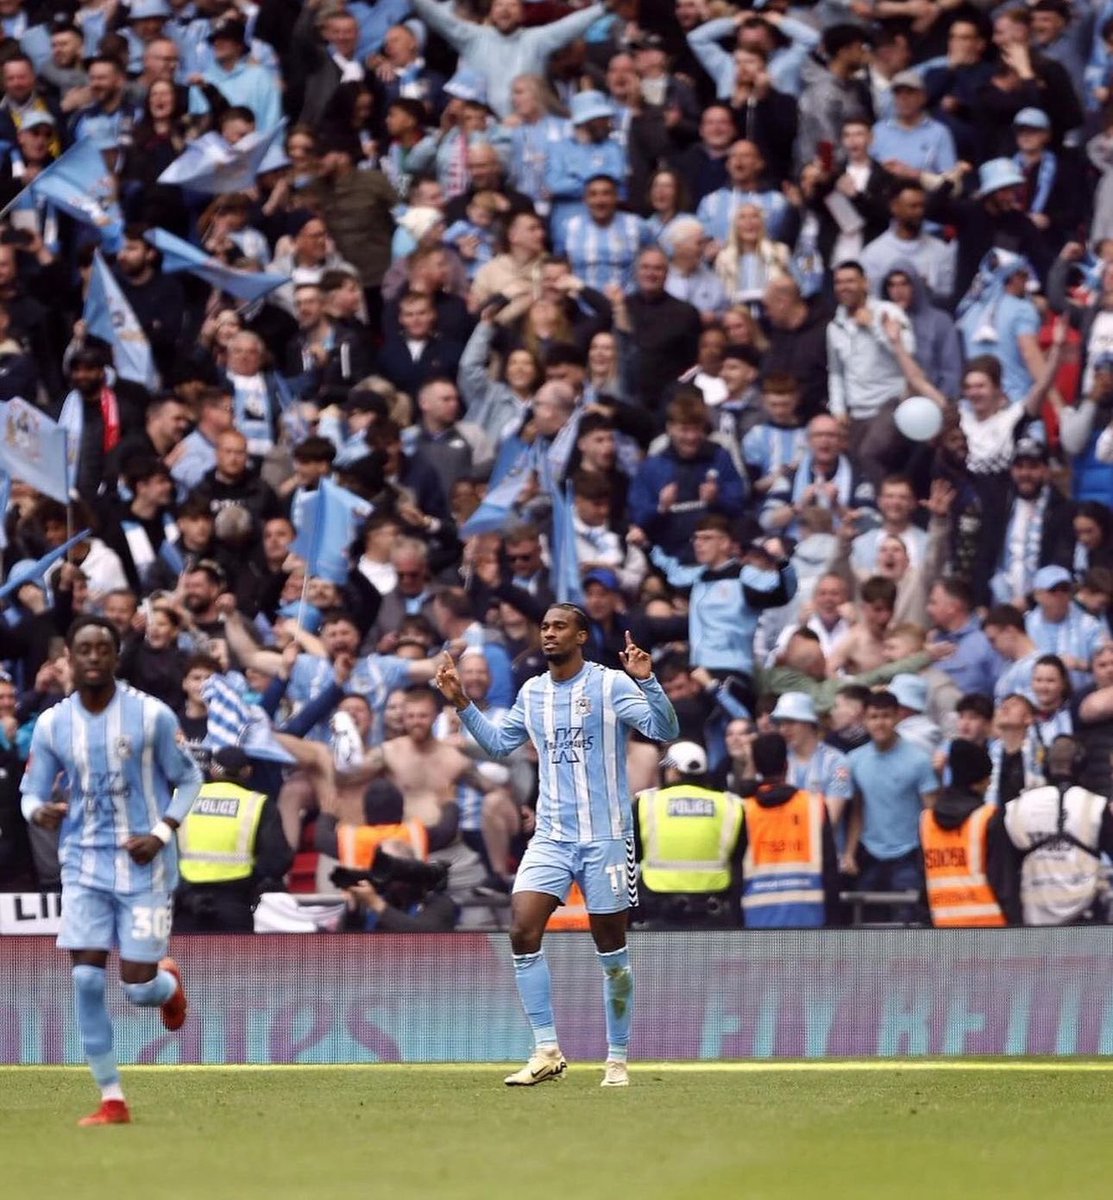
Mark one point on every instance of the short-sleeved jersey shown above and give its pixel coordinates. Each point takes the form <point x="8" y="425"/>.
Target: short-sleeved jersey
<point x="119" y="768"/>
<point x="374" y="677"/>
<point x="579" y="728"/>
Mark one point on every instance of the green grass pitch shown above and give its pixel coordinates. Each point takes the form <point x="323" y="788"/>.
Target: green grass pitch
<point x="966" y="1131"/>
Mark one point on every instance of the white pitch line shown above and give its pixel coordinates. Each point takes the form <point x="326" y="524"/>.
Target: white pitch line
<point x="641" y="1068"/>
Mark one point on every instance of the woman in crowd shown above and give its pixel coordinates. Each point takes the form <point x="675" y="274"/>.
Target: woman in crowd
<point x="534" y="128"/>
<point x="667" y="199"/>
<point x="750" y="259"/>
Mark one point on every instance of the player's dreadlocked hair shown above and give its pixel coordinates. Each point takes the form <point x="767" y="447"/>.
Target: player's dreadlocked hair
<point x="577" y="612"/>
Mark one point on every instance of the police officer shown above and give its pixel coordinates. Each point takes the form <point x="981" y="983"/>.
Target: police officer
<point x="1059" y="832"/>
<point x="686" y="843"/>
<point x="789" y="865"/>
<point x="967" y="854"/>
<point x="231" y="848"/>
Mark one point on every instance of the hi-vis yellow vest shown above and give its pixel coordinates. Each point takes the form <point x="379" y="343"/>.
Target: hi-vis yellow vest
<point x="216" y="842"/>
<point x="688" y="835"/>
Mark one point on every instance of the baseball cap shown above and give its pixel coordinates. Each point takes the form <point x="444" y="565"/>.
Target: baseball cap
<point x="1030" y="448"/>
<point x="1031" y="118"/>
<point x="1048" y="578"/>
<point x="908" y="79"/>
<point x="33" y="119"/>
<point x="686" y="757"/>
<point x="603" y="576"/>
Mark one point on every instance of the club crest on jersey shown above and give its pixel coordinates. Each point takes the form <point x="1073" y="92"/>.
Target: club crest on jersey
<point x="123" y="746"/>
<point x="583" y="706"/>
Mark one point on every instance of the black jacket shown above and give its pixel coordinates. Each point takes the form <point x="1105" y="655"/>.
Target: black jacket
<point x="666" y="336"/>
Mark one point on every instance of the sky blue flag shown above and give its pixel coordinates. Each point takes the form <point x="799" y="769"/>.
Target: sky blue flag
<point x="82" y="187"/>
<point x="33" y="572"/>
<point x="496" y="508"/>
<point x="566" y="563"/>
<point x="213" y="166"/>
<point x="109" y="316"/>
<point x="559" y="454"/>
<point x="72" y="421"/>
<point x="296" y="426"/>
<point x="179" y="255"/>
<point x="33" y="448"/>
<point x="330" y="517"/>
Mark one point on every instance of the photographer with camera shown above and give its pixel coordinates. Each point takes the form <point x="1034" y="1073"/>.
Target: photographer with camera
<point x="398" y="894"/>
<point x="231" y="849"/>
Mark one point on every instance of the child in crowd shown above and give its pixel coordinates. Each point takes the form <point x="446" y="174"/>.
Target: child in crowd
<point x="474" y="237"/>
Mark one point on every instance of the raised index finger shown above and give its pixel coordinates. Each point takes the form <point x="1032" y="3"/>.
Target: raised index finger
<point x="629" y="640"/>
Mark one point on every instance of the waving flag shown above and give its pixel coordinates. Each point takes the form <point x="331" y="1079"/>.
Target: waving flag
<point x="213" y="166"/>
<point x="33" y="448"/>
<point x="80" y="185"/>
<point x="35" y="572"/>
<point x="497" y="507"/>
<point x="109" y="316"/>
<point x="234" y="723"/>
<point x="330" y="517"/>
<point x="179" y="255"/>
<point x="72" y="421"/>
<point x="566" y="563"/>
<point x="5" y="500"/>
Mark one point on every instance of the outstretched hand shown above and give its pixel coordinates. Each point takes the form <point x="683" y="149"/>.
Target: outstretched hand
<point x="448" y="683"/>
<point x="637" y="662"/>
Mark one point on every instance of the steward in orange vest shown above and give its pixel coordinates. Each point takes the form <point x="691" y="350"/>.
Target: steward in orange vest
<point x="789" y="863"/>
<point x="966" y="849"/>
<point x="383" y="806"/>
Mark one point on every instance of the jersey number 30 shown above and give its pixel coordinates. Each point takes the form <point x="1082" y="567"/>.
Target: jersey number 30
<point x="150" y="922"/>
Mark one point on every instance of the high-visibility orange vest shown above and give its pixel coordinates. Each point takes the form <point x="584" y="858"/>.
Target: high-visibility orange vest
<point x="357" y="843"/>
<point x="572" y="914"/>
<point x="958" y="889"/>
<point x="782" y="870"/>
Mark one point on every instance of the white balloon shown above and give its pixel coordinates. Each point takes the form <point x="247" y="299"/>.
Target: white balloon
<point x="918" y="418"/>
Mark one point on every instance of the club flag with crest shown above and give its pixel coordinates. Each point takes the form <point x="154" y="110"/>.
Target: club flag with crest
<point x="330" y="518"/>
<point x="215" y="167"/>
<point x="497" y="506"/>
<point x="566" y="562"/>
<point x="109" y="317"/>
<point x="80" y="185"/>
<point x="179" y="255"/>
<point x="33" y="448"/>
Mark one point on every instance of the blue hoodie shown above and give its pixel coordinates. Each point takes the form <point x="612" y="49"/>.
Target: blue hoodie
<point x="938" y="346"/>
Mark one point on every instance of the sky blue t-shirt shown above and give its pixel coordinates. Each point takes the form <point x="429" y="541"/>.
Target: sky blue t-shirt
<point x="892" y="785"/>
<point x="1014" y="316"/>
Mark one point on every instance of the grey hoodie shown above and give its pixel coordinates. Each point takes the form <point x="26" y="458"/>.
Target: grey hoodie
<point x="938" y="347"/>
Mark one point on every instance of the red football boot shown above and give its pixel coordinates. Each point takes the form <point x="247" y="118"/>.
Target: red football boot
<point x="111" y="1112"/>
<point x="175" y="1009"/>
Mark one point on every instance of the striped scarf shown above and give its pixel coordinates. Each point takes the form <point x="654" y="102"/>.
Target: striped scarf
<point x="228" y="715"/>
<point x="843" y="478"/>
<point x="1045" y="179"/>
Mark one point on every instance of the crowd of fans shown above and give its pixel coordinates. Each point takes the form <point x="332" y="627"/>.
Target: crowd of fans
<point x="713" y="246"/>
